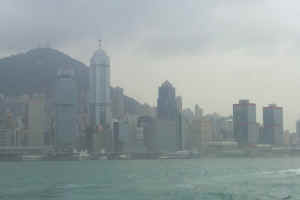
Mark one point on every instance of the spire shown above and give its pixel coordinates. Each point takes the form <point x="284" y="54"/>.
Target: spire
<point x="99" y="56"/>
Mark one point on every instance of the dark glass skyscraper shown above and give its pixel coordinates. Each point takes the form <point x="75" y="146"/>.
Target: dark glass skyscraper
<point x="244" y="123"/>
<point x="166" y="102"/>
<point x="273" y="125"/>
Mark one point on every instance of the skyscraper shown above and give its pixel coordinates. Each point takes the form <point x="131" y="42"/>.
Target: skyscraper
<point x="298" y="131"/>
<point x="273" y="124"/>
<point x="36" y="120"/>
<point x="198" y="112"/>
<point x="179" y="104"/>
<point x="166" y="102"/>
<point x="99" y="94"/>
<point x="169" y="137"/>
<point x="66" y="96"/>
<point x="179" y="132"/>
<point x="117" y="105"/>
<point x="244" y="123"/>
<point x="7" y="130"/>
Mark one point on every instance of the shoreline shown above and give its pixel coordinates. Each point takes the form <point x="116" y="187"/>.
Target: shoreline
<point x="155" y="156"/>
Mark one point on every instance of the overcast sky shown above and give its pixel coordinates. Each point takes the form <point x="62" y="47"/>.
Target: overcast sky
<point x="214" y="52"/>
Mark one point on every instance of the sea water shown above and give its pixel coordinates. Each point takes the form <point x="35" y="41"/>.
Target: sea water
<point x="203" y="179"/>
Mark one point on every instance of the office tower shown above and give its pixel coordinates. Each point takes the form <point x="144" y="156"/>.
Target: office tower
<point x="147" y="124"/>
<point x="286" y="137"/>
<point x="179" y="104"/>
<point x="298" y="131"/>
<point x="168" y="134"/>
<point x="166" y="137"/>
<point x="198" y="112"/>
<point x="115" y="136"/>
<point x="199" y="134"/>
<point x="273" y="124"/>
<point x="128" y="137"/>
<point x="117" y="107"/>
<point x="188" y="115"/>
<point x="227" y="128"/>
<point x="7" y="130"/>
<point x="179" y="132"/>
<point x="293" y="139"/>
<point x="36" y="120"/>
<point x="244" y="123"/>
<point x="66" y="95"/>
<point x="99" y="93"/>
<point x="166" y="102"/>
<point x="221" y="127"/>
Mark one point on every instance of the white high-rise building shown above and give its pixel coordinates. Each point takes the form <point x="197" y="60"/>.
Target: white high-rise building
<point x="99" y="95"/>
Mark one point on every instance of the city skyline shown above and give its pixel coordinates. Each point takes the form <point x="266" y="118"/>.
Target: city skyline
<point x="213" y="58"/>
<point x="146" y="99"/>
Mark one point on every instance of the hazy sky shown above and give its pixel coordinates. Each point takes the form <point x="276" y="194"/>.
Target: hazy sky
<point x="214" y="52"/>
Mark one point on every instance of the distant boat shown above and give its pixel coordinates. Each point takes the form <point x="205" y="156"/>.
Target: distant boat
<point x="124" y="157"/>
<point x="32" y="157"/>
<point x="180" y="155"/>
<point x="72" y="155"/>
<point x="83" y="155"/>
<point x="102" y="155"/>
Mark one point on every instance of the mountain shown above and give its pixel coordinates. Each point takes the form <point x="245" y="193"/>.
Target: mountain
<point x="35" y="71"/>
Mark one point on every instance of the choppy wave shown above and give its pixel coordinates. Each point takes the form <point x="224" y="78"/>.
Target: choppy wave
<point x="286" y="172"/>
<point x="75" y="186"/>
<point x="213" y="179"/>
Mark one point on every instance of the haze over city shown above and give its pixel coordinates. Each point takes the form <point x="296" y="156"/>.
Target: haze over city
<point x="149" y="99"/>
<point x="213" y="52"/>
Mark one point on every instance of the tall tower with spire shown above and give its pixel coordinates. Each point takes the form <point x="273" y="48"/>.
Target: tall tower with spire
<point x="99" y="94"/>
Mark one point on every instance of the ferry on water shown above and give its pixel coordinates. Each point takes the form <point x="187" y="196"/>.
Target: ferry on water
<point x="32" y="157"/>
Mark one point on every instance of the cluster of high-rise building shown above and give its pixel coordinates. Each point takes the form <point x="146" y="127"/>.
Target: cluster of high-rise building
<point x="99" y="119"/>
<point x="67" y="118"/>
<point x="248" y="132"/>
<point x="23" y="120"/>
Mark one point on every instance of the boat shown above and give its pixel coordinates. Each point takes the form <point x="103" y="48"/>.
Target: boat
<point x="180" y="155"/>
<point x="32" y="157"/>
<point x="83" y="155"/>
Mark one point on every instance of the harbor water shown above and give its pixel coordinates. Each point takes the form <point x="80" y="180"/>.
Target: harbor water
<point x="205" y="179"/>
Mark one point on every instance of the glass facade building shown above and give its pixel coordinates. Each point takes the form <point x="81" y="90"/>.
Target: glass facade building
<point x="273" y="125"/>
<point x="244" y="123"/>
